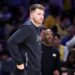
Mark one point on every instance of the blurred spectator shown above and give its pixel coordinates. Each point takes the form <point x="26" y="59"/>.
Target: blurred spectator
<point x="53" y="18"/>
<point x="72" y="27"/>
<point x="67" y="37"/>
<point x="61" y="28"/>
<point x="71" y="57"/>
<point x="71" y="42"/>
<point x="50" y="64"/>
<point x="62" y="49"/>
<point x="71" y="62"/>
<point x="42" y="32"/>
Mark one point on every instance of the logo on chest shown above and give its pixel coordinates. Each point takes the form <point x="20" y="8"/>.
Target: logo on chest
<point x="38" y="39"/>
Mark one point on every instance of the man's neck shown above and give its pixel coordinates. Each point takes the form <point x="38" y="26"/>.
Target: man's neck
<point x="37" y="25"/>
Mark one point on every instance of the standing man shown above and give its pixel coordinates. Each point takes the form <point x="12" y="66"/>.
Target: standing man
<point x="27" y="39"/>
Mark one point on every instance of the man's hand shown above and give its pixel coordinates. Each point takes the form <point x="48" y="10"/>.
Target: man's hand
<point x="20" y="67"/>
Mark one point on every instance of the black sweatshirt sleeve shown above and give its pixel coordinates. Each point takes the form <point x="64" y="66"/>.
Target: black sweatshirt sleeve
<point x="18" y="37"/>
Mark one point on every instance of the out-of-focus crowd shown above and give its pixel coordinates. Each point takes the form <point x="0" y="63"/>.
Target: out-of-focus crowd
<point x="59" y="20"/>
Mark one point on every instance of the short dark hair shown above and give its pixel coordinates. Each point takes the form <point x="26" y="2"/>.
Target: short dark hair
<point x="36" y="6"/>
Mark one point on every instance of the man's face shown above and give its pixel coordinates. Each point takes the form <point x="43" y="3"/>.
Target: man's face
<point x="49" y="37"/>
<point x="37" y="16"/>
<point x="56" y="41"/>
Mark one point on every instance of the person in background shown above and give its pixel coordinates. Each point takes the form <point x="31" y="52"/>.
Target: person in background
<point x="63" y="50"/>
<point x="50" y="64"/>
<point x="70" y="65"/>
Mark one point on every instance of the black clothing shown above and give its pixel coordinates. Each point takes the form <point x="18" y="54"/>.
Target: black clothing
<point x="26" y="39"/>
<point x="50" y="60"/>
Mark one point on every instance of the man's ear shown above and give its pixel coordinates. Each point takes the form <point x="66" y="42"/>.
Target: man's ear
<point x="31" y="15"/>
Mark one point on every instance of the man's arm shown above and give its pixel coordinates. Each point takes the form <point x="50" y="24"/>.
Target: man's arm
<point x="18" y="37"/>
<point x="71" y="43"/>
<point x="66" y="52"/>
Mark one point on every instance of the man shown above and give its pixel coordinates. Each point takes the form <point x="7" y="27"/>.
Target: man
<point x="63" y="50"/>
<point x="50" y="64"/>
<point x="27" y="39"/>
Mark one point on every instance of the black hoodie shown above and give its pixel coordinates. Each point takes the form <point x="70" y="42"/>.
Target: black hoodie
<point x="26" y="39"/>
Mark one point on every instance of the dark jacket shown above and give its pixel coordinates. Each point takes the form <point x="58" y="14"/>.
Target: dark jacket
<point x="26" y="39"/>
<point x="50" y="60"/>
